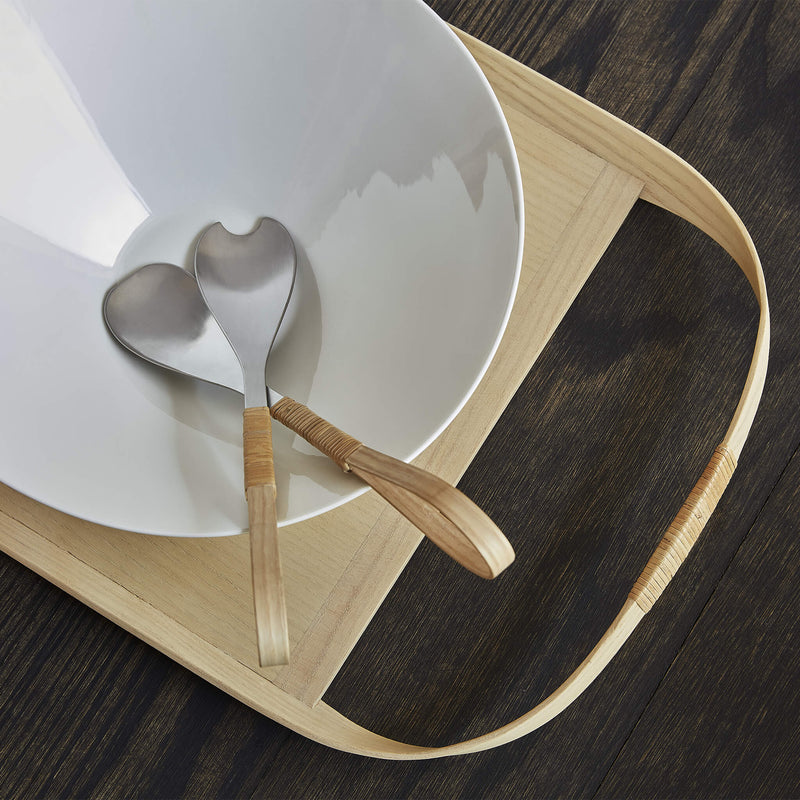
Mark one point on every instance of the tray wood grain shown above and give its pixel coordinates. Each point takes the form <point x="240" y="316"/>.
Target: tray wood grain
<point x="191" y="598"/>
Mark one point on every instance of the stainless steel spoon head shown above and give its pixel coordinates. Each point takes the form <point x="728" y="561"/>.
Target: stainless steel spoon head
<point x="158" y="313"/>
<point x="246" y="282"/>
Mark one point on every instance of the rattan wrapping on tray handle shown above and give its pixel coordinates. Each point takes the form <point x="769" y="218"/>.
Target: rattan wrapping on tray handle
<point x="669" y="182"/>
<point x="684" y="530"/>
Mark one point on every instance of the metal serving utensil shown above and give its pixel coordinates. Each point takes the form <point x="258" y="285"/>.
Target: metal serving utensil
<point x="158" y="313"/>
<point x="246" y="282"/>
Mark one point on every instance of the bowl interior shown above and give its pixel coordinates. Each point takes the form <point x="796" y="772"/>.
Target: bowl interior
<point x="364" y="127"/>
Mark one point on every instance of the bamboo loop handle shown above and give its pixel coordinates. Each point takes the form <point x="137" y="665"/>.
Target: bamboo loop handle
<point x="671" y="183"/>
<point x="269" y="601"/>
<point x="444" y="514"/>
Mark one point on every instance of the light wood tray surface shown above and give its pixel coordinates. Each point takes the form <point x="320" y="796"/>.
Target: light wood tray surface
<point x="191" y="598"/>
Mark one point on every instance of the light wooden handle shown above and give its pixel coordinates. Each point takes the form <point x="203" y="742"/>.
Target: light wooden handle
<point x="269" y="602"/>
<point x="444" y="514"/>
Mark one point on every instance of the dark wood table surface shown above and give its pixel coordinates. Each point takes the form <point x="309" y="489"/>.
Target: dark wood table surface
<point x="584" y="471"/>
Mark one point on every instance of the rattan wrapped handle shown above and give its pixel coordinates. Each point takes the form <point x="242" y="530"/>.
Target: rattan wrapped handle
<point x="269" y="602"/>
<point x="444" y="514"/>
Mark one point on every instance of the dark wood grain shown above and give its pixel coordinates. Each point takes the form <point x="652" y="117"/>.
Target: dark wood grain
<point x="583" y="472"/>
<point x="735" y="681"/>
<point x="724" y="721"/>
<point x="644" y="61"/>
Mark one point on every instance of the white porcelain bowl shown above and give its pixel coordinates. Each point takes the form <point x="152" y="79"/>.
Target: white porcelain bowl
<point x="129" y="126"/>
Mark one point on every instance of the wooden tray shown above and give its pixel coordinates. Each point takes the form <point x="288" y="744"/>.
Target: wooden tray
<point x="191" y="598"/>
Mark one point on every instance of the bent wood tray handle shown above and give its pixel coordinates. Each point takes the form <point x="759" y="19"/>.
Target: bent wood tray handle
<point x="269" y="602"/>
<point x="671" y="183"/>
<point x="444" y="514"/>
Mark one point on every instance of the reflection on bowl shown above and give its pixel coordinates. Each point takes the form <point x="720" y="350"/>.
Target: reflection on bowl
<point x="363" y="126"/>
